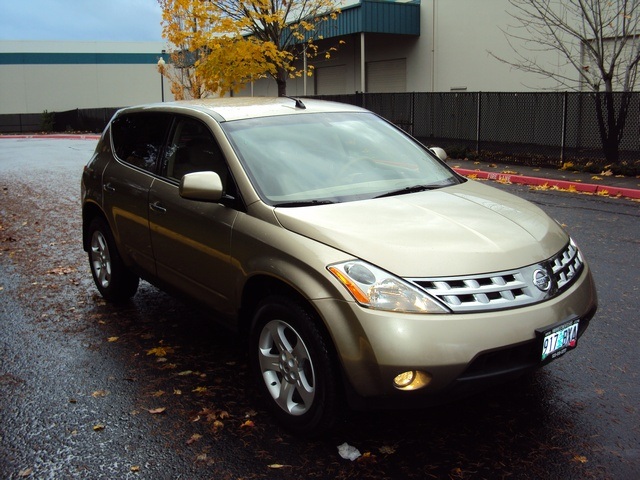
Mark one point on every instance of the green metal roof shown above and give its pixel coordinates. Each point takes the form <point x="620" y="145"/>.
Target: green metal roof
<point x="370" y="16"/>
<point x="79" y="58"/>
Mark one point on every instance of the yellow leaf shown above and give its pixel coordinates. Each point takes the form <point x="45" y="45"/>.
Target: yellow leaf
<point x="160" y="351"/>
<point x="135" y="468"/>
<point x="99" y="393"/>
<point x="580" y="459"/>
<point x="199" y="390"/>
<point x="159" y="393"/>
<point x="248" y="424"/>
<point x="276" y="466"/>
<point x="388" y="449"/>
<point x="194" y="438"/>
<point x="156" y="411"/>
<point x="98" y="427"/>
<point x="112" y="339"/>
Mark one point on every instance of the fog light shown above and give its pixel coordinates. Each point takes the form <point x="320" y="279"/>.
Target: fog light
<point x="412" y="380"/>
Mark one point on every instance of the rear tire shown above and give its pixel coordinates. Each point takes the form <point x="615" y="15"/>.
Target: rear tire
<point x="114" y="280"/>
<point x="293" y="367"/>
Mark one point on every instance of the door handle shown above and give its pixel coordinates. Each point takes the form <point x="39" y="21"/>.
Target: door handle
<point x="157" y="207"/>
<point x="109" y="188"/>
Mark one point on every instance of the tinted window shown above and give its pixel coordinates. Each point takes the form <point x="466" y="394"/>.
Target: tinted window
<point x="138" y="138"/>
<point x="193" y="149"/>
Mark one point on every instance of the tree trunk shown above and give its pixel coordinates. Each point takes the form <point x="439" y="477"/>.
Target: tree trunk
<point x="281" y="81"/>
<point x="612" y="117"/>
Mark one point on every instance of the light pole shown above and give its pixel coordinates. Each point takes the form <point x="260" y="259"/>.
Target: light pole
<point x="161" y="65"/>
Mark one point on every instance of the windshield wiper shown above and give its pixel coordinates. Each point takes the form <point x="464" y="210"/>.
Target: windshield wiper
<point x="304" y="203"/>
<point x="413" y="189"/>
<point x="416" y="188"/>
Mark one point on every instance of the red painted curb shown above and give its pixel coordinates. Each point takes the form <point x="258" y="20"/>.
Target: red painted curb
<point x="591" y="188"/>
<point x="64" y="136"/>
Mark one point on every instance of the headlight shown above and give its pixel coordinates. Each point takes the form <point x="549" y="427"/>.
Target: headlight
<point x="374" y="288"/>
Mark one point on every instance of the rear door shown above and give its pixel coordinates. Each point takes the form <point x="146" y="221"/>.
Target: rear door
<point x="138" y="139"/>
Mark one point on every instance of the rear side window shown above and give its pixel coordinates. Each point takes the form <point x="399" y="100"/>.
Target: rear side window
<point x="138" y="138"/>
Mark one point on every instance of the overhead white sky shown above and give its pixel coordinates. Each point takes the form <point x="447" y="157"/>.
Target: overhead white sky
<point x="91" y="20"/>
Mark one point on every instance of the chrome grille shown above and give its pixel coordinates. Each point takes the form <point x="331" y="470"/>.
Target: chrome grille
<point x="567" y="265"/>
<point x="508" y="289"/>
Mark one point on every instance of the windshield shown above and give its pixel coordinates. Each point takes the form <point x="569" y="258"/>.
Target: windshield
<point x="322" y="158"/>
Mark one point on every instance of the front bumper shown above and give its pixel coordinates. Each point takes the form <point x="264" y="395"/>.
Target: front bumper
<point x="461" y="352"/>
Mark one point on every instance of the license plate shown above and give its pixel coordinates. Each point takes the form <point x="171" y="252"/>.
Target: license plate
<point x="558" y="339"/>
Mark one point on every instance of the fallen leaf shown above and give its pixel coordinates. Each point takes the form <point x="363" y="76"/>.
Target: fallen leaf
<point x="276" y="466"/>
<point x="159" y="393"/>
<point x="217" y="425"/>
<point x="157" y="411"/>
<point x="61" y="271"/>
<point x="177" y="391"/>
<point x="388" y="449"/>
<point x="194" y="438"/>
<point x="160" y="351"/>
<point x="25" y="473"/>
<point x="580" y="459"/>
<point x="185" y="373"/>
<point x="199" y="390"/>
<point x="135" y="468"/>
<point x="99" y="394"/>
<point x="98" y="427"/>
<point x="112" y="339"/>
<point x="248" y="424"/>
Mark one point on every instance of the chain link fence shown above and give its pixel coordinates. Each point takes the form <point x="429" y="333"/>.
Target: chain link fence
<point x="538" y="129"/>
<point x="78" y="120"/>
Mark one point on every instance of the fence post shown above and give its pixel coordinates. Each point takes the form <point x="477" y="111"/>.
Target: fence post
<point x="412" y="113"/>
<point x="478" y="123"/>
<point x="564" y="126"/>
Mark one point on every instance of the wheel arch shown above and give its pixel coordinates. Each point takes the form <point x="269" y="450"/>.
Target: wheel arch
<point x="90" y="211"/>
<point x="262" y="286"/>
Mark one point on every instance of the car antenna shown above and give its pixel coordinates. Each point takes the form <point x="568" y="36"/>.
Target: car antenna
<point x="299" y="103"/>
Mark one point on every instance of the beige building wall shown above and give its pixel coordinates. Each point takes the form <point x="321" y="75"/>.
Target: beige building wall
<point x="33" y="88"/>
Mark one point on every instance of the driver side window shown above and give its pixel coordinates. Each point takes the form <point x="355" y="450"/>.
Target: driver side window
<point x="192" y="148"/>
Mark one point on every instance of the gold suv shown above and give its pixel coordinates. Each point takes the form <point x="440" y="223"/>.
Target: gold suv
<point x="358" y="264"/>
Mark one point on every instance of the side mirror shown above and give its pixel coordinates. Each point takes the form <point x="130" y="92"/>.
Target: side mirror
<point x="439" y="152"/>
<point x="202" y="186"/>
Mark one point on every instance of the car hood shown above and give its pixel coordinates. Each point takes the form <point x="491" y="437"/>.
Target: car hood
<point x="460" y="230"/>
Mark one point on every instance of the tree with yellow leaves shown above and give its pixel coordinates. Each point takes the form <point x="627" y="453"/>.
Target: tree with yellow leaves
<point x="222" y="45"/>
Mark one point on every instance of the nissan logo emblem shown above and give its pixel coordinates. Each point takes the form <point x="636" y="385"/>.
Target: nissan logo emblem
<point x="542" y="280"/>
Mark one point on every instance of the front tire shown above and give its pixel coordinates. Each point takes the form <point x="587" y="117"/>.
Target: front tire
<point x="114" y="280"/>
<point x="294" y="369"/>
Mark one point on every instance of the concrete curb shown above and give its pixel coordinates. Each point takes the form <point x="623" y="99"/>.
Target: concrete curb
<point x="593" y="189"/>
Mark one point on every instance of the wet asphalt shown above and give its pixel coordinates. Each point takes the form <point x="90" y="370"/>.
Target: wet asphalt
<point x="155" y="390"/>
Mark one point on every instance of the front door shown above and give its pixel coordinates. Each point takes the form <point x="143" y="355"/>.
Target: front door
<point x="191" y="239"/>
